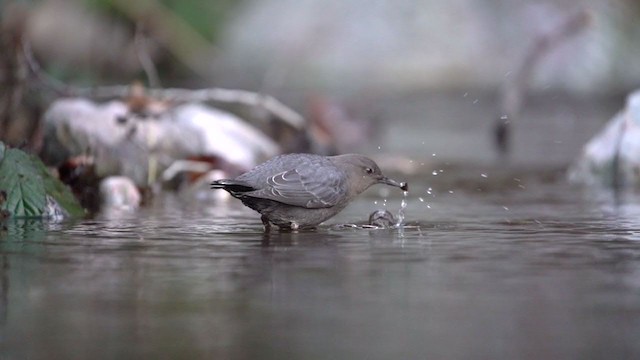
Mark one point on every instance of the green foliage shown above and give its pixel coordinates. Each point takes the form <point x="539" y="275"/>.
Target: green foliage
<point x="207" y="17"/>
<point x="25" y="182"/>
<point x="24" y="188"/>
<point x="57" y="190"/>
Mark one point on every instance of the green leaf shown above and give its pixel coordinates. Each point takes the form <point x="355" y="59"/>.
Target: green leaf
<point x="57" y="190"/>
<point x="26" y="182"/>
<point x="22" y="184"/>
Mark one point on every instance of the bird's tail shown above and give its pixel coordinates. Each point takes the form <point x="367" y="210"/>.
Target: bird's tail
<point x="220" y="184"/>
<point x="231" y="186"/>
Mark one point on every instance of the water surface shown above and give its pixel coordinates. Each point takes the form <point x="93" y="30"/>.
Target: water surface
<point x="539" y="270"/>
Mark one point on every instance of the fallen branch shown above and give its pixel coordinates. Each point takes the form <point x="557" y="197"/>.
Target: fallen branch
<point x="272" y="106"/>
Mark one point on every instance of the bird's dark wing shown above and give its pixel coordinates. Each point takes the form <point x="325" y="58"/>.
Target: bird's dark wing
<point x="309" y="187"/>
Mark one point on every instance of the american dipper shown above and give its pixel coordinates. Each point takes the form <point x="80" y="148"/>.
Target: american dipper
<point x="296" y="191"/>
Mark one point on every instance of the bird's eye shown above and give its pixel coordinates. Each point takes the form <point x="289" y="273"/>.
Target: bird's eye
<point x="368" y="170"/>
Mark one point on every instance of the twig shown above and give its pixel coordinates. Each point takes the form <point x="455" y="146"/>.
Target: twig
<point x="175" y="34"/>
<point x="142" y="52"/>
<point x="43" y="78"/>
<point x="514" y="91"/>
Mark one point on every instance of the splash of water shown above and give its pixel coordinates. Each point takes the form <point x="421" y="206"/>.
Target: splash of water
<point x="400" y="217"/>
<point x="400" y="223"/>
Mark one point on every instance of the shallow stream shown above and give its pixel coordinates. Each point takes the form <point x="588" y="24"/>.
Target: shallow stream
<point x="540" y="270"/>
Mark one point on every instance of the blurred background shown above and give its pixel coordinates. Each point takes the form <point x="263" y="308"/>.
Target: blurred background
<point x="419" y="79"/>
<point x="350" y="45"/>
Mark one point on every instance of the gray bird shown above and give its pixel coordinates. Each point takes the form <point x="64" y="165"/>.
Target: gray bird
<point x="297" y="191"/>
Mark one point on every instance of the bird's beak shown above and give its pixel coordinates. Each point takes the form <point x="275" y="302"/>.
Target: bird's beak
<point x="402" y="185"/>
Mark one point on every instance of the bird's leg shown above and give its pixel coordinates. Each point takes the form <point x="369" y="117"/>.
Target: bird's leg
<point x="265" y="222"/>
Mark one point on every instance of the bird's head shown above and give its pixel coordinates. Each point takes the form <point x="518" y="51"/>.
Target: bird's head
<point x="364" y="172"/>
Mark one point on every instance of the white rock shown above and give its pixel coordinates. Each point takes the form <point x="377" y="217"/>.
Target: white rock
<point x="225" y="135"/>
<point x="142" y="148"/>
<point x="119" y="192"/>
<point x="619" y="141"/>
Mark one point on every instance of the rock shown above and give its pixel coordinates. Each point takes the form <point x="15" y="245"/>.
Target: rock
<point x="382" y="218"/>
<point x="612" y="157"/>
<point x="119" y="192"/>
<point x="141" y="147"/>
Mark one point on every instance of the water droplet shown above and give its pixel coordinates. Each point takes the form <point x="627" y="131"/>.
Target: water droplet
<point x="421" y="199"/>
<point x="484" y="175"/>
<point x="428" y="206"/>
<point x="434" y="173"/>
<point x="403" y="205"/>
<point x="504" y="117"/>
<point x="475" y="101"/>
<point x="434" y="154"/>
<point x="450" y="191"/>
<point x="465" y="94"/>
<point x="379" y="147"/>
<point x="506" y="208"/>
